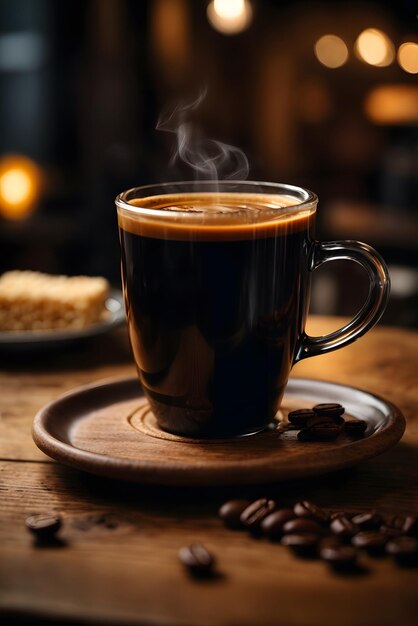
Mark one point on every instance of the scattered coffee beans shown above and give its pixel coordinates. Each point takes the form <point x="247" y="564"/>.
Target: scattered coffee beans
<point x="355" y="428"/>
<point x="396" y="522"/>
<point x="329" y="409"/>
<point x="230" y="512"/>
<point x="299" y="418"/>
<point x="317" y="420"/>
<point x="331" y="541"/>
<point x="272" y="525"/>
<point x="337" y="537"/>
<point x="252" y="516"/>
<point x="324" y="422"/>
<point x="343" y="527"/>
<point x="44" y="526"/>
<point x="303" y="545"/>
<point x="368" y="521"/>
<point x="310" y="510"/>
<point x="410" y="526"/>
<point x="325" y="431"/>
<point x="371" y="541"/>
<point x="305" y="435"/>
<point x="404" y="550"/>
<point x="390" y="532"/>
<point x="302" y="526"/>
<point x="336" y="514"/>
<point x="341" y="558"/>
<point x="393" y="526"/>
<point x="197" y="559"/>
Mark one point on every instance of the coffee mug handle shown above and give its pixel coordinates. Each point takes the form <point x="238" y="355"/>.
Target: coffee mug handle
<point x="371" y="311"/>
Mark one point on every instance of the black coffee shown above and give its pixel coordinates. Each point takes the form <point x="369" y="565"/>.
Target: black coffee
<point x="216" y="310"/>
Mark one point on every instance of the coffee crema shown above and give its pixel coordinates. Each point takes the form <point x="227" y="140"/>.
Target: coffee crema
<point x="216" y="296"/>
<point x="213" y="215"/>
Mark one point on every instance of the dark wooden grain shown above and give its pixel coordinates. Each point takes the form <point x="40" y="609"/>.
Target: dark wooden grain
<point x="118" y="559"/>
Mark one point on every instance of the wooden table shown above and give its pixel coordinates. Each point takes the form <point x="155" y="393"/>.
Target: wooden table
<point x="118" y="562"/>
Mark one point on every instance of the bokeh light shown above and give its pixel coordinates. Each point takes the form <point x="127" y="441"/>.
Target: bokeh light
<point x="408" y="57"/>
<point x="375" y="48"/>
<point x="392" y="104"/>
<point x="20" y="183"/>
<point x="331" y="51"/>
<point x="230" y="17"/>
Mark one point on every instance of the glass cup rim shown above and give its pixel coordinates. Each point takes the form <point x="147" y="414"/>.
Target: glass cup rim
<point x="308" y="201"/>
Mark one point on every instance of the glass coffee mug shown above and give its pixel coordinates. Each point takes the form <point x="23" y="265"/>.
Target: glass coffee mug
<point x="216" y="280"/>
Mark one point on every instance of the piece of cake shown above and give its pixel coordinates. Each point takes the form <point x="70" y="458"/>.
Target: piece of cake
<point x="36" y="301"/>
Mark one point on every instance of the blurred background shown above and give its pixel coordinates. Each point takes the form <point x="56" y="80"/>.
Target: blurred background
<point x="318" y="94"/>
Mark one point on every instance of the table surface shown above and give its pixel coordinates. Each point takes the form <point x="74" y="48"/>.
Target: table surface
<point x="118" y="564"/>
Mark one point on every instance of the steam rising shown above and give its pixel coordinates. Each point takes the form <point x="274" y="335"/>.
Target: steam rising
<point x="210" y="159"/>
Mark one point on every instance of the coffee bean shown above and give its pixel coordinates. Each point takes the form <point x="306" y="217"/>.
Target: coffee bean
<point x="410" y="526"/>
<point x="44" y="526"/>
<point x="404" y="550"/>
<point x="320" y="432"/>
<point x="392" y="526"/>
<point x="355" y="428"/>
<point x="368" y="521"/>
<point x="252" y="516"/>
<point x="318" y="420"/>
<point x="396" y="522"/>
<point x="302" y="526"/>
<point x="197" y="559"/>
<point x="303" y="545"/>
<point x="324" y="431"/>
<point x="389" y="532"/>
<point x="230" y="512"/>
<point x="330" y="409"/>
<point x="339" y="557"/>
<point x="315" y="420"/>
<point x="310" y="510"/>
<point x="320" y="429"/>
<point x="343" y="527"/>
<point x="272" y="525"/>
<point x="340" y="421"/>
<point x="306" y="435"/>
<point x="371" y="541"/>
<point x="336" y="514"/>
<point x="331" y="541"/>
<point x="299" y="417"/>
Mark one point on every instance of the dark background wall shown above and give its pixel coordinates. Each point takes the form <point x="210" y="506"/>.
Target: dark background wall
<point x="83" y="83"/>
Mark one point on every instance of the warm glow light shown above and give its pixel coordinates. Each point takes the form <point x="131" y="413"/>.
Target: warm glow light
<point x="392" y="104"/>
<point x="19" y="186"/>
<point x="15" y="186"/>
<point x="408" y="57"/>
<point x="229" y="9"/>
<point x="230" y="16"/>
<point x="375" y="48"/>
<point x="331" y="51"/>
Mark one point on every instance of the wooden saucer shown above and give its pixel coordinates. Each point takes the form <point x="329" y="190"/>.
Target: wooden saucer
<point x="108" y="429"/>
